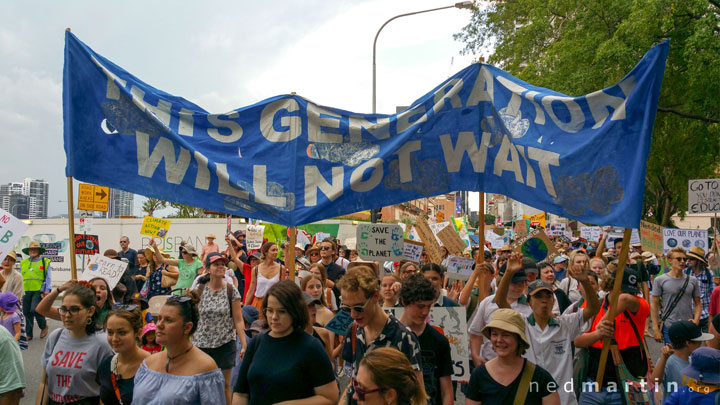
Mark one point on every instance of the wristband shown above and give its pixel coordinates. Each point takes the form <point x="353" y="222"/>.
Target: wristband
<point x="58" y="290"/>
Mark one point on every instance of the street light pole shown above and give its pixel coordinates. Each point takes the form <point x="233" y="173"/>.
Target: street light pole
<point x="462" y="4"/>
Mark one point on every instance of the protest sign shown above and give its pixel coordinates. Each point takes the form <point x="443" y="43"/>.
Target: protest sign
<point x="521" y="228"/>
<point x="302" y="237"/>
<point x="704" y="196"/>
<point x="685" y="238"/>
<point x="229" y="225"/>
<point x="321" y="236"/>
<point x="86" y="244"/>
<point x="340" y="323"/>
<point x="535" y="245"/>
<point x="351" y="243"/>
<point x="11" y="230"/>
<point x="432" y="247"/>
<point x="109" y="269"/>
<point x="451" y="240"/>
<point x="459" y="268"/>
<point x="651" y="238"/>
<point x="450" y="321"/>
<point x="496" y="241"/>
<point x="617" y="233"/>
<point x="536" y="220"/>
<point x="52" y="251"/>
<point x="556" y="230"/>
<point x="155" y="227"/>
<point x="380" y="242"/>
<point x="254" y="236"/>
<point x="412" y="250"/>
<point x="344" y="161"/>
<point x="591" y="233"/>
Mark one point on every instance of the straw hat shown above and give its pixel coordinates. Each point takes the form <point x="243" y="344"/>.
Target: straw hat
<point x="697" y="253"/>
<point x="34" y="245"/>
<point x="508" y="320"/>
<point x="150" y="255"/>
<point x="11" y="254"/>
<point x="210" y="236"/>
<point x="190" y="249"/>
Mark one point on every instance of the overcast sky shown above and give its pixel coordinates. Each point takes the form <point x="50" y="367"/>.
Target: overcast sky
<point x="220" y="55"/>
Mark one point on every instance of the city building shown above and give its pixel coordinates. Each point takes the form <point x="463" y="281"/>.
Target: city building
<point x="120" y="204"/>
<point x="34" y="205"/>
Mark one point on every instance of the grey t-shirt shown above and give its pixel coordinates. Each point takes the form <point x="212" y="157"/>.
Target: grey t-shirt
<point x="72" y="363"/>
<point x="673" y="377"/>
<point x="667" y="288"/>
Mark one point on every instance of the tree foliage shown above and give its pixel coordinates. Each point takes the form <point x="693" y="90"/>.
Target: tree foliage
<point x="186" y="211"/>
<point x="153" y="204"/>
<point x="579" y="46"/>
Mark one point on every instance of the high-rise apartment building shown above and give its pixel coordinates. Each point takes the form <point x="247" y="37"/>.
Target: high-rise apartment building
<point x="120" y="204"/>
<point x="35" y="203"/>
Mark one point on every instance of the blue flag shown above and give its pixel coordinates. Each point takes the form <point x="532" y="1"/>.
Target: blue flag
<point x="290" y="161"/>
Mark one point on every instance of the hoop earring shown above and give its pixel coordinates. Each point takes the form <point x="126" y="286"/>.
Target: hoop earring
<point x="89" y="321"/>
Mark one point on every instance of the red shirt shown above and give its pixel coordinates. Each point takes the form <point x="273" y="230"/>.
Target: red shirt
<point x="714" y="307"/>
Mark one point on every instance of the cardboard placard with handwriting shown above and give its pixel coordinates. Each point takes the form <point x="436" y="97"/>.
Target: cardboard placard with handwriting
<point x="520" y="228"/>
<point x="412" y="250"/>
<point x="651" y="238"/>
<point x="432" y="247"/>
<point x="451" y="240"/>
<point x="536" y="245"/>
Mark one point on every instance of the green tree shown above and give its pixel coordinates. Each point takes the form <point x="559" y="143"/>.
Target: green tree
<point x="489" y="219"/>
<point x="186" y="211"/>
<point x="153" y="204"/>
<point x="577" y="47"/>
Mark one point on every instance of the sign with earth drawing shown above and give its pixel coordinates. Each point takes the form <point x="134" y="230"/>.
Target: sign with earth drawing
<point x="536" y="245"/>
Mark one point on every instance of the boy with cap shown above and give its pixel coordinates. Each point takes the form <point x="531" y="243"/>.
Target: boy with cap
<point x="551" y="337"/>
<point x="685" y="337"/>
<point x="702" y="379"/>
<point x="481" y="349"/>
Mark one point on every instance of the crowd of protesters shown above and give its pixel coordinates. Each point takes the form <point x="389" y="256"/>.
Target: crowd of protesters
<point x="229" y="325"/>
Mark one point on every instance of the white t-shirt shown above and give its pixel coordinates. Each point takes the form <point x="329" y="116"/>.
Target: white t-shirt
<point x="342" y="262"/>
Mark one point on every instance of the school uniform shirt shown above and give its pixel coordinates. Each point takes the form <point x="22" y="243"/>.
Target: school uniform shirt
<point x="551" y="349"/>
<point x="394" y="334"/>
<point x="72" y="364"/>
<point x="482" y="316"/>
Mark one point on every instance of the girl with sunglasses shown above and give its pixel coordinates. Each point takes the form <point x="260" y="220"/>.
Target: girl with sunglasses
<point x="116" y="374"/>
<point x="182" y="374"/>
<point x="73" y="353"/>
<point x="385" y="377"/>
<point x="285" y="364"/>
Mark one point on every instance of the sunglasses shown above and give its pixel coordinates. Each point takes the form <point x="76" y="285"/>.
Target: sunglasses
<point x="357" y="308"/>
<point x="681" y="259"/>
<point x="314" y="253"/>
<point x="325" y="248"/>
<point x="127" y="307"/>
<point x="179" y="299"/>
<point x="361" y="392"/>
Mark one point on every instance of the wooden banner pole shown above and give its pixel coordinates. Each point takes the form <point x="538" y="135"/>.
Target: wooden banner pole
<point x="481" y="252"/>
<point x="71" y="227"/>
<point x="290" y="259"/>
<point x="614" y="295"/>
<point x="715" y="235"/>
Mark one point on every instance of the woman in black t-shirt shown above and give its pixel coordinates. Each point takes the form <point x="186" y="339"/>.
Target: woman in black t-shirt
<point x="499" y="380"/>
<point x="286" y="363"/>
<point x="116" y="374"/>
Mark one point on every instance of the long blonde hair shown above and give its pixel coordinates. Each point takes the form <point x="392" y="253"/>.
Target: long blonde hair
<point x="390" y="369"/>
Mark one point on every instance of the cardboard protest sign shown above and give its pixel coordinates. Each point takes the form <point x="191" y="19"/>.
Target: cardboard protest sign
<point x="651" y="238"/>
<point x="412" y="250"/>
<point x="86" y="224"/>
<point x="340" y="323"/>
<point x="535" y="245"/>
<point x="11" y="230"/>
<point x="437" y="227"/>
<point x="383" y="242"/>
<point x="86" y="244"/>
<point x="320" y="236"/>
<point x="254" y="236"/>
<point x="156" y="227"/>
<point x="351" y="243"/>
<point x="432" y="247"/>
<point x="591" y="233"/>
<point x="459" y="268"/>
<point x="536" y="220"/>
<point x="109" y="269"/>
<point x="617" y="233"/>
<point x="496" y="241"/>
<point x="521" y="228"/>
<point x="556" y="230"/>
<point x="450" y="321"/>
<point x="704" y="196"/>
<point x="451" y="240"/>
<point x="685" y="238"/>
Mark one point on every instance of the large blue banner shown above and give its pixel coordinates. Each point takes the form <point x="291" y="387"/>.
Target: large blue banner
<point x="290" y="161"/>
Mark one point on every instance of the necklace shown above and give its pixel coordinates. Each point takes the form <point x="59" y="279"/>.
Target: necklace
<point x="167" y="365"/>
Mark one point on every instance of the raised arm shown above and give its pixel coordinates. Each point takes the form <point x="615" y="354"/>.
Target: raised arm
<point x="593" y="305"/>
<point x="514" y="264"/>
<point x="159" y="257"/>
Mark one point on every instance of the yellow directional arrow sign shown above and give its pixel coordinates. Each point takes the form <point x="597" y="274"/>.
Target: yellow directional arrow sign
<point x="93" y="198"/>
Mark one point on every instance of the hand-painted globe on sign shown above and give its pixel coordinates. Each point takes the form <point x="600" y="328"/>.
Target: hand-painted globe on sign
<point x="535" y="249"/>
